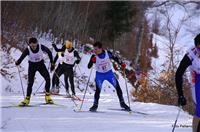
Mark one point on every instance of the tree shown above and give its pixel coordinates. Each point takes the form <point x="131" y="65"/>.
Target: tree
<point x="119" y="16"/>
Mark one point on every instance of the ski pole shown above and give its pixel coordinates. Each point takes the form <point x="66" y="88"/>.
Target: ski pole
<point x="79" y="69"/>
<point x="80" y="73"/>
<point x="179" y="110"/>
<point x="85" y="90"/>
<point x="21" y="81"/>
<point x="64" y="86"/>
<point x="127" y="90"/>
<point x="38" y="88"/>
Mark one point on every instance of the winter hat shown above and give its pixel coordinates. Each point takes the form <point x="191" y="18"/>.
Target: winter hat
<point x="68" y="44"/>
<point x="33" y="40"/>
<point x="197" y="40"/>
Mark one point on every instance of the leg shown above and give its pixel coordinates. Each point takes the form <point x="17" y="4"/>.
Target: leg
<point x="97" y="95"/>
<point x="31" y="75"/>
<point x="196" y="119"/>
<point x="45" y="74"/>
<point x="115" y="83"/>
<point x="112" y="80"/>
<point x="71" y="80"/>
<point x="196" y="124"/>
<point x="98" y="82"/>
<point x="96" y="99"/>
<point x="55" y="80"/>
<point x="119" y="92"/>
<point x="66" y="76"/>
<point x="58" y="72"/>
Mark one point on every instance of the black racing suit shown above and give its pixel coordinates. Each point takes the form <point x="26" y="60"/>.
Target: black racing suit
<point x="37" y="66"/>
<point x="66" y="69"/>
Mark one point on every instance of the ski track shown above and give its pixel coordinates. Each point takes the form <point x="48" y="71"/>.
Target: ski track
<point x="63" y="119"/>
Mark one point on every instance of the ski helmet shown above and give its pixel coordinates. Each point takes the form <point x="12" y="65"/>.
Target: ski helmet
<point x="197" y="40"/>
<point x="68" y="44"/>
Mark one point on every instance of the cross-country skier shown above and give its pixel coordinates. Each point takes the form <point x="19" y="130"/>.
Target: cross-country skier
<point x="55" y="79"/>
<point x="192" y="60"/>
<point x="36" y="63"/>
<point x="70" y="57"/>
<point x="104" y="72"/>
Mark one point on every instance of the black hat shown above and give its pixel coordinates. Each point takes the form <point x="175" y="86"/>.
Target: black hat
<point x="197" y="40"/>
<point x="32" y="40"/>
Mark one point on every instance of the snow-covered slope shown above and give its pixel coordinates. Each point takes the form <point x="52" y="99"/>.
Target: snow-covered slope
<point x="146" y="116"/>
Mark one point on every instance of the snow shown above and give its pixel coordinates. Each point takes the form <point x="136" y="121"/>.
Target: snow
<point x="63" y="118"/>
<point x="146" y="117"/>
<point x="46" y="118"/>
<point x="185" y="38"/>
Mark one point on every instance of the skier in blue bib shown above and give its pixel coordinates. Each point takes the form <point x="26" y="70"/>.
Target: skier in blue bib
<point x="191" y="60"/>
<point x="104" y="72"/>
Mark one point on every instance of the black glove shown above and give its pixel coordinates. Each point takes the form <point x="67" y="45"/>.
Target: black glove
<point x="53" y="44"/>
<point x="52" y="67"/>
<point x="182" y="101"/>
<point x="77" y="61"/>
<point x="17" y="63"/>
<point x="62" y="54"/>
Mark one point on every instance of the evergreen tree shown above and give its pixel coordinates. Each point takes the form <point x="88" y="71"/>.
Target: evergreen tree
<point x="119" y="16"/>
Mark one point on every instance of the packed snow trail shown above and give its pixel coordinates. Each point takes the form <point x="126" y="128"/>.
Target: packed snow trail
<point x="147" y="117"/>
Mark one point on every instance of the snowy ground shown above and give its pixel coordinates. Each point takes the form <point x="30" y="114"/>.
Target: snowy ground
<point x="147" y="117"/>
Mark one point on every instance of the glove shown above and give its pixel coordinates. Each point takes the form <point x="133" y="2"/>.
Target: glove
<point x="53" y="44"/>
<point x="123" y="66"/>
<point x="77" y="61"/>
<point x="52" y="66"/>
<point x="17" y="63"/>
<point x="115" y="66"/>
<point x="182" y="101"/>
<point x="94" y="59"/>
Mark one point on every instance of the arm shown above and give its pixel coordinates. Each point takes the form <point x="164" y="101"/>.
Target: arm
<point x="24" y="54"/>
<point x="58" y="50"/>
<point x="91" y="62"/>
<point x="115" y="58"/>
<point x="77" y="56"/>
<point x="55" y="59"/>
<point x="45" y="49"/>
<point x="185" y="63"/>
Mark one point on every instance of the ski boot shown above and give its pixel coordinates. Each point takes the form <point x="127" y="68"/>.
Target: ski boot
<point x="124" y="106"/>
<point x="48" y="99"/>
<point x="94" y="108"/>
<point x="25" y="102"/>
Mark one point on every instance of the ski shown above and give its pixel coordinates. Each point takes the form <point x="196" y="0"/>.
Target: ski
<point x="76" y="98"/>
<point x="128" y="111"/>
<point x="65" y="96"/>
<point x="34" y="105"/>
<point x="73" y="98"/>
<point x="87" y="111"/>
